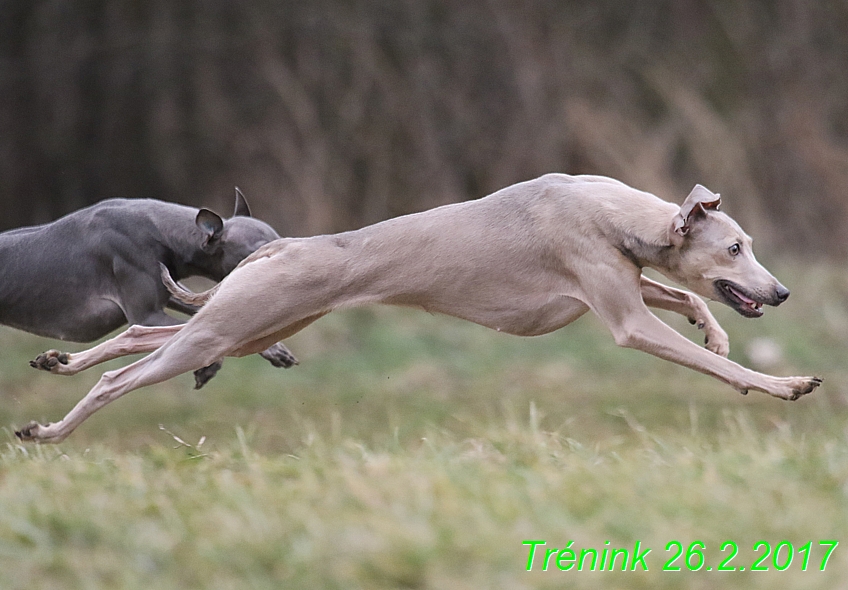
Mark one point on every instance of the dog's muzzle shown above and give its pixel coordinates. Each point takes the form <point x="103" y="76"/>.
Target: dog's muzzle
<point x="744" y="301"/>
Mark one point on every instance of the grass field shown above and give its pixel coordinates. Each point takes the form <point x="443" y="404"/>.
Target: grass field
<point x="412" y="451"/>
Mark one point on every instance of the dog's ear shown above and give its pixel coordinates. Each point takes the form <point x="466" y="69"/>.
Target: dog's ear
<point x="242" y="209"/>
<point x="699" y="201"/>
<point x="211" y="224"/>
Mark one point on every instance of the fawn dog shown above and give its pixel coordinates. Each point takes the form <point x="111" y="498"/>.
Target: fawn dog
<point x="526" y="260"/>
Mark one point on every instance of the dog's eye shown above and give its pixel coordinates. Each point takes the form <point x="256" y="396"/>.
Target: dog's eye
<point x="734" y="249"/>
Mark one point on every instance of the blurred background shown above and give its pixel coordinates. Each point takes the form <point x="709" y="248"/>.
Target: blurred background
<point x="331" y="114"/>
<point x="409" y="450"/>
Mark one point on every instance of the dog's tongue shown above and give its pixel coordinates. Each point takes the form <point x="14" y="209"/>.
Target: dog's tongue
<point x="747" y="300"/>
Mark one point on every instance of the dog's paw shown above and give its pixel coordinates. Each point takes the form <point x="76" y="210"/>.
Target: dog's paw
<point x="808" y="386"/>
<point x="202" y="376"/>
<point x="718" y="342"/>
<point x="32" y="432"/>
<point x="715" y="338"/>
<point x="796" y="387"/>
<point x="279" y="356"/>
<point x="50" y="360"/>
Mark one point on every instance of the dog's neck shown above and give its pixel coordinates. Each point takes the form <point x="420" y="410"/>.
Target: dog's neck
<point x="643" y="253"/>
<point x="642" y="231"/>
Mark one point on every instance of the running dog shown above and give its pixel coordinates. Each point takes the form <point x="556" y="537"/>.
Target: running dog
<point x="96" y="269"/>
<point x="526" y="260"/>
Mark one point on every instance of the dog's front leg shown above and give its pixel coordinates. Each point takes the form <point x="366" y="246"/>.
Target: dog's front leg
<point x="278" y="355"/>
<point x="692" y="307"/>
<point x="621" y="308"/>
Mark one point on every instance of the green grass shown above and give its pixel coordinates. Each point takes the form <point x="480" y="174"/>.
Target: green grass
<point x="412" y="451"/>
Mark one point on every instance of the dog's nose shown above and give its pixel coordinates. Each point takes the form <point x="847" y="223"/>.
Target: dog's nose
<point x="782" y="293"/>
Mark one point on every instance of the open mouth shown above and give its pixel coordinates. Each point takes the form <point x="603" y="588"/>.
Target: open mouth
<point x="740" y="300"/>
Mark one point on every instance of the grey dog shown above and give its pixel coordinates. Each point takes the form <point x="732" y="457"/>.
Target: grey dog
<point x="94" y="270"/>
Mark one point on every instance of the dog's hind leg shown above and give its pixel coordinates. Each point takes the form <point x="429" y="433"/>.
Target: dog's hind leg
<point x="690" y="306"/>
<point x="135" y="339"/>
<point x="139" y="339"/>
<point x="197" y="344"/>
<point x="277" y="354"/>
<point x="178" y="355"/>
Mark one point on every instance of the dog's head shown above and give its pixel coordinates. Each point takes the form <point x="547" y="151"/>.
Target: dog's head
<point x="226" y="242"/>
<point x="714" y="257"/>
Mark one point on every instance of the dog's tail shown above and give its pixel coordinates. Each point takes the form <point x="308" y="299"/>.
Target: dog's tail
<point x="182" y="294"/>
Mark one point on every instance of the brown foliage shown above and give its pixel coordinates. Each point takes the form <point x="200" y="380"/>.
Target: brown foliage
<point x="335" y="113"/>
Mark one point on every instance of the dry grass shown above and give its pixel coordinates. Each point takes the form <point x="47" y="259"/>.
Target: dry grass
<point x="409" y="451"/>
